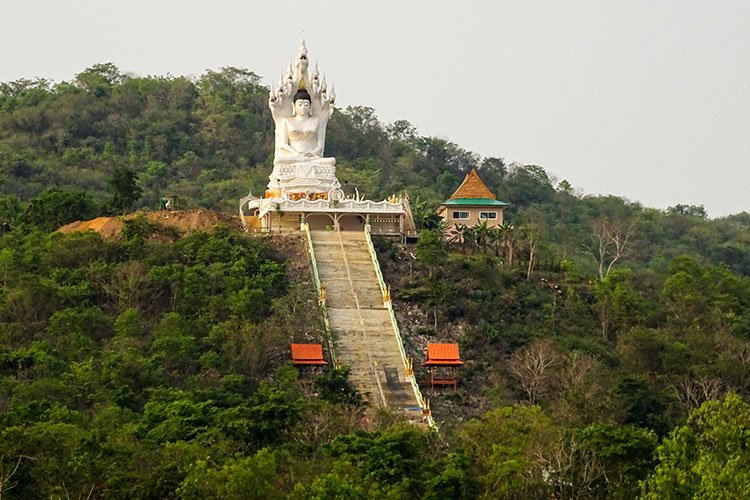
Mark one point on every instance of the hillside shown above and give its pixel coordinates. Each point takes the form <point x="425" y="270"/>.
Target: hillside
<point x="607" y="344"/>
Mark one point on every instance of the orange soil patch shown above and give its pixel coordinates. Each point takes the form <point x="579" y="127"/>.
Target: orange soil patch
<point x="187" y="221"/>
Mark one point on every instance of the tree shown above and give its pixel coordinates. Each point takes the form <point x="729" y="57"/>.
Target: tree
<point x="482" y="235"/>
<point x="99" y="79"/>
<point x="334" y="387"/>
<point x="641" y="405"/>
<point x="10" y="211"/>
<point x="509" y="449"/>
<point x="692" y="393"/>
<point x="609" y="240"/>
<point x="54" y="208"/>
<point x="708" y="457"/>
<point x="8" y="468"/>
<point x="239" y="478"/>
<point x="431" y="249"/>
<point x="532" y="227"/>
<point x="698" y="211"/>
<point x="454" y="479"/>
<point x="509" y="241"/>
<point x="463" y="234"/>
<point x="388" y="462"/>
<point x="527" y="185"/>
<point x="626" y="453"/>
<point x="424" y="214"/>
<point x="617" y="301"/>
<point x="532" y="367"/>
<point x="126" y="191"/>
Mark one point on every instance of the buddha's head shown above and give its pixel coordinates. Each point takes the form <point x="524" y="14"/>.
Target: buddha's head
<point x="302" y="103"/>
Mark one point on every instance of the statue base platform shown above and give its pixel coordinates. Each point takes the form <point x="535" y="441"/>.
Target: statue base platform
<point x="311" y="178"/>
<point x="284" y="214"/>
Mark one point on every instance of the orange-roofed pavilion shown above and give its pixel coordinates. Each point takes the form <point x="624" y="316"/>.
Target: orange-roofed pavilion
<point x="442" y="361"/>
<point x="307" y="354"/>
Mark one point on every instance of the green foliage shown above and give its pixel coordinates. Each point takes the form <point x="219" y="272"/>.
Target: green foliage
<point x="453" y="479"/>
<point x="334" y="387"/>
<point x="504" y="444"/>
<point x="54" y="208"/>
<point x="642" y="406"/>
<point x="431" y="248"/>
<point x="147" y="366"/>
<point x="126" y="191"/>
<point x="384" y="463"/>
<point x="105" y="382"/>
<point x="271" y="412"/>
<point x="626" y="453"/>
<point x="248" y="477"/>
<point x="424" y="215"/>
<point x="707" y="457"/>
<point x="10" y="211"/>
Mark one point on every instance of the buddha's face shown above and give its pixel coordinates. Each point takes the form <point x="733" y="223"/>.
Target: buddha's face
<point x="302" y="107"/>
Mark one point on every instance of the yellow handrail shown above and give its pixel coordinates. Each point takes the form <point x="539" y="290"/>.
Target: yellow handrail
<point x="424" y="405"/>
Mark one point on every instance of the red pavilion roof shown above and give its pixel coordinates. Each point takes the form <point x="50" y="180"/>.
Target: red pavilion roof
<point x="307" y="354"/>
<point x="442" y="354"/>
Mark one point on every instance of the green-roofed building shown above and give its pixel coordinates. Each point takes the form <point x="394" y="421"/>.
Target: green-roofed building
<point x="471" y="204"/>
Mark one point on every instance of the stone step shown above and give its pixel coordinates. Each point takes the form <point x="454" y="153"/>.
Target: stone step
<point x="364" y="336"/>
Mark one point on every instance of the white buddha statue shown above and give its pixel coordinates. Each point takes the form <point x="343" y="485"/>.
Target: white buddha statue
<point x="301" y="119"/>
<point x="302" y="136"/>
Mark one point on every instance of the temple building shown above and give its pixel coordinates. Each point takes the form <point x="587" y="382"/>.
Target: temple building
<point x="303" y="186"/>
<point x="472" y="203"/>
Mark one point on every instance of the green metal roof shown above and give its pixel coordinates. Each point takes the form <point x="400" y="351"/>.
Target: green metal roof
<point x="483" y="202"/>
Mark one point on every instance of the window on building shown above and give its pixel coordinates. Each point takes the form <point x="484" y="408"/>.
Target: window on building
<point x="488" y="215"/>
<point x="460" y="215"/>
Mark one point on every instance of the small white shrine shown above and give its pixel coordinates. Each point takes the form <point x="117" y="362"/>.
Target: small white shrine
<point x="303" y="186"/>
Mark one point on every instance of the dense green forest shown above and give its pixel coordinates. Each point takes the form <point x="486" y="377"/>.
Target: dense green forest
<point x="607" y="344"/>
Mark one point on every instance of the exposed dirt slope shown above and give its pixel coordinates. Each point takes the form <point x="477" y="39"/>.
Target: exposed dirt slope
<point x="187" y="221"/>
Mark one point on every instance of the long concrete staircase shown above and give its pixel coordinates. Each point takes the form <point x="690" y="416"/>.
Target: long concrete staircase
<point x="365" y="339"/>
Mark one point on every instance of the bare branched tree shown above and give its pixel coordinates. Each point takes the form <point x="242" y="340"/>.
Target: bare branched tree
<point x="577" y="369"/>
<point x="692" y="393"/>
<point x="583" y="389"/>
<point x="532" y="366"/>
<point x="609" y="241"/>
<point x="572" y="469"/>
<point x="532" y="231"/>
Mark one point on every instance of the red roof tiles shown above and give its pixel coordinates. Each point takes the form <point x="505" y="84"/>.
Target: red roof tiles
<point x="307" y="354"/>
<point x="442" y="354"/>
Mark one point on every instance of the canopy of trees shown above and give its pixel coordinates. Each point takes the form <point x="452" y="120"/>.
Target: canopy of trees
<point x="607" y="344"/>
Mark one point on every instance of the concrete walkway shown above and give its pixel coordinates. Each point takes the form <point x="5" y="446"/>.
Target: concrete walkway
<point x="364" y="336"/>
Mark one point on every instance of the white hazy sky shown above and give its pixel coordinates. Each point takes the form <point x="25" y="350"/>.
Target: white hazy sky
<point x="646" y="99"/>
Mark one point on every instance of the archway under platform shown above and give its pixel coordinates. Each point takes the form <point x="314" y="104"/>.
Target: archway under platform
<point x="320" y="221"/>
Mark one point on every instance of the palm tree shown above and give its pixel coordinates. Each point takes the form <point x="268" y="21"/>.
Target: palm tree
<point x="481" y="234"/>
<point x="470" y="238"/>
<point x="495" y="239"/>
<point x="460" y="234"/>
